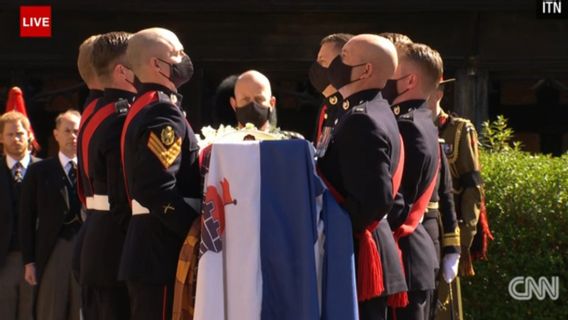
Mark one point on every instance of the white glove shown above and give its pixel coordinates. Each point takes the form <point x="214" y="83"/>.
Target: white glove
<point x="450" y="266"/>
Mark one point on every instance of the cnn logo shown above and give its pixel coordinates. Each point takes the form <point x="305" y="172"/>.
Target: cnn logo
<point x="523" y="288"/>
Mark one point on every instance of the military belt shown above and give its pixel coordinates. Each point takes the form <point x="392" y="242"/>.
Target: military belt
<point x="98" y="202"/>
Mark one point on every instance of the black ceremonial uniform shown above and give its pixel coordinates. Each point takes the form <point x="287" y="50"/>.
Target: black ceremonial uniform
<point x="160" y="161"/>
<point x="420" y="138"/>
<point x="440" y="221"/>
<point x="83" y="187"/>
<point x="359" y="163"/>
<point x="105" y="297"/>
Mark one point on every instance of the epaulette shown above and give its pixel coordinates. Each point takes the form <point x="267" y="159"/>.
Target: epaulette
<point x="121" y="106"/>
<point x="162" y="97"/>
<point x="454" y="117"/>
<point x="359" y="109"/>
<point x="409" y="116"/>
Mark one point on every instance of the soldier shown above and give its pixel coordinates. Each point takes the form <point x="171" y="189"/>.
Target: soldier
<point x="330" y="47"/>
<point x="89" y="76"/>
<point x="417" y="75"/>
<point x="84" y="190"/>
<point x="362" y="166"/>
<point x="87" y="72"/>
<point x="440" y="218"/>
<point x="106" y="297"/>
<point x="254" y="103"/>
<point x="160" y="162"/>
<point x="461" y="149"/>
<point x="441" y="223"/>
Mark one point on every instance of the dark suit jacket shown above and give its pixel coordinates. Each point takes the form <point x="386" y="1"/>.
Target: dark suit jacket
<point x="44" y="204"/>
<point x="6" y="208"/>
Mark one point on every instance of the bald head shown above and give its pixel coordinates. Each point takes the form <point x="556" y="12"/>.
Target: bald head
<point x="149" y="48"/>
<point x="377" y="57"/>
<point x="252" y="82"/>
<point x="253" y="86"/>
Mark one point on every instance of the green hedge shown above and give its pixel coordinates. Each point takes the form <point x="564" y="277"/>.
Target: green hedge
<point x="527" y="206"/>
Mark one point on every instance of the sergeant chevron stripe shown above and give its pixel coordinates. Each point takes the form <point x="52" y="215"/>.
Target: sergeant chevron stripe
<point x="166" y="155"/>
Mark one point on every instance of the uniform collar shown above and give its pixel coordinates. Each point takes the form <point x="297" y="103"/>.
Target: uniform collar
<point x="359" y="98"/>
<point x="406" y="106"/>
<point x="441" y="119"/>
<point x="112" y="95"/>
<point x="174" y="96"/>
<point x="334" y="100"/>
<point x="95" y="94"/>
<point x="11" y="162"/>
<point x="64" y="160"/>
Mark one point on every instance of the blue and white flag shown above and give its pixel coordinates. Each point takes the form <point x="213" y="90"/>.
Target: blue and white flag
<point x="262" y="247"/>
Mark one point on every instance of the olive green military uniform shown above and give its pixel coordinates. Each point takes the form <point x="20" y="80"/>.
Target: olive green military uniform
<point x="461" y="149"/>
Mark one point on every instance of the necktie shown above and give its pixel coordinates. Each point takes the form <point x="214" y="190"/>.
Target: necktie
<point x="72" y="173"/>
<point x="18" y="172"/>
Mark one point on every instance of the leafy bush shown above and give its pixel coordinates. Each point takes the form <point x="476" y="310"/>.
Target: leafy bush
<point x="527" y="206"/>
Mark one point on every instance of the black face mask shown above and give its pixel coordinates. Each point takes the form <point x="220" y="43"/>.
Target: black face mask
<point x="340" y="74"/>
<point x="390" y="91"/>
<point x="318" y="77"/>
<point x="135" y="83"/>
<point x="181" y="72"/>
<point x="254" y="113"/>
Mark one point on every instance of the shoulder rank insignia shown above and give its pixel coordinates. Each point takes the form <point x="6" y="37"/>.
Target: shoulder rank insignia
<point x="166" y="148"/>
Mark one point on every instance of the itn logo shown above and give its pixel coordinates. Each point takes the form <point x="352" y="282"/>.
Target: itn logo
<point x="523" y="288"/>
<point x="552" y="7"/>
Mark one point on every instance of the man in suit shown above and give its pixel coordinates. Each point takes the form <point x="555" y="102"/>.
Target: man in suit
<point x="16" y="296"/>
<point x="49" y="221"/>
<point x="160" y="159"/>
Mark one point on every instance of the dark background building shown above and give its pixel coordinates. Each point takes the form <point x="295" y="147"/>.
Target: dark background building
<point x="505" y="59"/>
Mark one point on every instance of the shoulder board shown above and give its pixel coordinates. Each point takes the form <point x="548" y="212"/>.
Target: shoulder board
<point x="359" y="109"/>
<point x="121" y="106"/>
<point x="454" y="117"/>
<point x="409" y="116"/>
<point x="162" y="97"/>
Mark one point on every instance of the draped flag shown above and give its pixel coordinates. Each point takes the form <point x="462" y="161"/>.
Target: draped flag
<point x="265" y="242"/>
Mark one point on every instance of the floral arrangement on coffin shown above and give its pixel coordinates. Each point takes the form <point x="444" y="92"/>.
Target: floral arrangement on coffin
<point x="230" y="134"/>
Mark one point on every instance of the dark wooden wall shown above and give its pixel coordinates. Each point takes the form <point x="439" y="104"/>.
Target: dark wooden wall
<point x="488" y="44"/>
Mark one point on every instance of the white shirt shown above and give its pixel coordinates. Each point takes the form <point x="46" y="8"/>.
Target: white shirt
<point x="64" y="160"/>
<point x="11" y="162"/>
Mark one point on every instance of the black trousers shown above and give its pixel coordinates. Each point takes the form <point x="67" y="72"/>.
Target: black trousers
<point x="105" y="303"/>
<point x="418" y="307"/>
<point x="150" y="302"/>
<point x="374" y="309"/>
